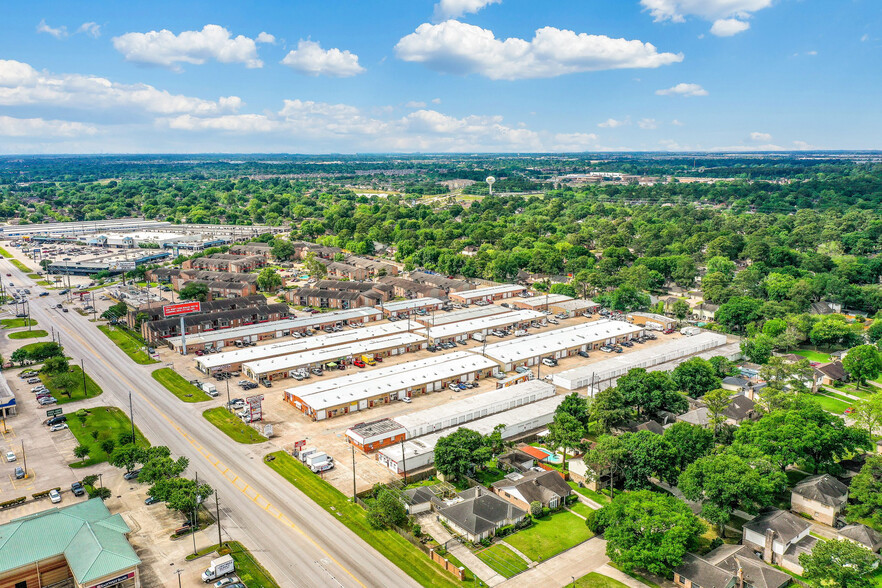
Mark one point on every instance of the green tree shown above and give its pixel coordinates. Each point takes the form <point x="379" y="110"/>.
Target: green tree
<point x="283" y="249"/>
<point x="717" y="401"/>
<point x="56" y="365"/>
<point x="689" y="442"/>
<point x="19" y="356"/>
<point x="314" y="267"/>
<point x="626" y="298"/>
<point x="695" y="377"/>
<point x="758" y="349"/>
<point x="863" y="363"/>
<point x="738" y="312"/>
<point x="723" y="366"/>
<point x="865" y="493"/>
<point x="648" y="456"/>
<point x="650" y="392"/>
<point x="158" y="467"/>
<point x="647" y="530"/>
<point x="722" y="265"/>
<point x="565" y="432"/>
<point x="194" y="291"/>
<point x="81" y="451"/>
<point x="609" y="409"/>
<point x="868" y="412"/>
<point x="833" y="330"/>
<point x="386" y="511"/>
<point x="269" y="280"/>
<point x="127" y="456"/>
<point x="180" y="494"/>
<point x="454" y="454"/>
<point x="680" y="309"/>
<point x="839" y="564"/>
<point x="577" y="406"/>
<point x="607" y="457"/>
<point x="565" y="289"/>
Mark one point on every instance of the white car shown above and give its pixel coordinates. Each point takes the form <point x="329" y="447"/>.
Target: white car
<point x="58" y="427"/>
<point x="226" y="581"/>
<point x="39" y="388"/>
<point x="10" y="456"/>
<point x="54" y="496"/>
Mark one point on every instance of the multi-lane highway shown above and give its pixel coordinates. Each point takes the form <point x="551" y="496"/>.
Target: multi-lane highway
<point x="299" y="542"/>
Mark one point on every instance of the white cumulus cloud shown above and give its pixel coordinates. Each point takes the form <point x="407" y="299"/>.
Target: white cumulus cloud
<point x="58" y="33"/>
<point x="309" y="58"/>
<point x="761" y="137"/>
<point x="166" y="49"/>
<point x="446" y="9"/>
<point x="647" y="124"/>
<point x="415" y="104"/>
<point x="727" y="27"/>
<point x="612" y="123"/>
<point x="683" y="89"/>
<point x="460" y="48"/>
<point x="266" y="38"/>
<point x="38" y="127"/>
<point x="93" y="29"/>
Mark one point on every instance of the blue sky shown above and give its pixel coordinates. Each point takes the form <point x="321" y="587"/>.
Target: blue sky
<point x="305" y="76"/>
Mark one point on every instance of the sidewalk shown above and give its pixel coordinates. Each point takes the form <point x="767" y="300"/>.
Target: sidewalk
<point x="560" y="570"/>
<point x="431" y="526"/>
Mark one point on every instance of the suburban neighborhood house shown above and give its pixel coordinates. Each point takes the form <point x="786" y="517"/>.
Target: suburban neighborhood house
<point x="862" y="535"/>
<point x="728" y="566"/>
<point x="822" y="498"/>
<point x="477" y="514"/>
<point x="545" y="487"/>
<point x="779" y="537"/>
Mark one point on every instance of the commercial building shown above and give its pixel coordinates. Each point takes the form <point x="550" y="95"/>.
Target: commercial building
<point x="607" y="371"/>
<point x="211" y="321"/>
<point x="527" y="351"/>
<point x="114" y="264"/>
<point x="648" y="318"/>
<point x="406" y="307"/>
<point x="223" y="262"/>
<point x="366" y="389"/>
<point x="489" y="294"/>
<point x="466" y="314"/>
<point x="461" y="331"/>
<point x="233" y="360"/>
<point x="276" y="368"/>
<point x="76" y="546"/>
<point x="419" y="453"/>
<point x="378" y="434"/>
<point x="574" y="307"/>
<point x="274" y="330"/>
<point x="74" y="229"/>
<point x="539" y="301"/>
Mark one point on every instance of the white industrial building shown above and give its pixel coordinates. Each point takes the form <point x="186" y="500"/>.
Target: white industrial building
<point x="406" y="307"/>
<point x="527" y="351"/>
<point x="339" y="396"/>
<point x="466" y="314"/>
<point x="281" y="367"/>
<point x="608" y="370"/>
<point x="419" y="453"/>
<point x="575" y="307"/>
<point x="539" y="301"/>
<point x="462" y="330"/>
<point x="489" y="293"/>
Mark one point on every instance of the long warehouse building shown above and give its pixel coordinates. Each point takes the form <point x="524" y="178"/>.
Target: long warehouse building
<point x="462" y="330"/>
<point x="233" y="360"/>
<point x="466" y="314"/>
<point x="276" y="368"/>
<point x="488" y="294"/>
<point x="614" y="367"/>
<point x="419" y="453"/>
<point x="339" y="396"/>
<point x="527" y="351"/>
<point x="384" y="432"/>
<point x="263" y="331"/>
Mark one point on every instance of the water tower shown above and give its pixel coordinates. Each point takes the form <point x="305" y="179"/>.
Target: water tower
<point x="490" y="181"/>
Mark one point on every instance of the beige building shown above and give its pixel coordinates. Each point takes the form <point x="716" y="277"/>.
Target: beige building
<point x="821" y="497"/>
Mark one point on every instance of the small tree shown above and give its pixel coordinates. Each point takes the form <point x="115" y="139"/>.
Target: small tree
<point x="314" y="267"/>
<point x="108" y="445"/>
<point x="126" y="456"/>
<point x="680" y="309"/>
<point x="839" y="564"/>
<point x="194" y="291"/>
<point x="386" y="511"/>
<point x="455" y="453"/>
<point x="863" y="363"/>
<point x="717" y="401"/>
<point x="269" y="280"/>
<point x="536" y="508"/>
<point x="81" y="451"/>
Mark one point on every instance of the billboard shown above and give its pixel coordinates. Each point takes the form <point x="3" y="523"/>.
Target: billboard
<point x="254" y="407"/>
<point x="182" y="308"/>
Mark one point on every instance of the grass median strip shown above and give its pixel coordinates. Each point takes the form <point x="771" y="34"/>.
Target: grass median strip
<point x="15" y="323"/>
<point x="232" y="426"/>
<point x="248" y="569"/>
<point x="35" y="334"/>
<point x="5" y="253"/>
<point x="70" y="382"/>
<point x="389" y="543"/>
<point x="178" y="386"/>
<point x="129" y="344"/>
<point x="20" y="266"/>
<point x="92" y="427"/>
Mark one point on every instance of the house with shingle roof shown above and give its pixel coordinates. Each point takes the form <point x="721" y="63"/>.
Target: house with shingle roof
<point x="862" y="535"/>
<point x="728" y="566"/>
<point x="546" y="487"/>
<point x="821" y="497"/>
<point x="780" y="537"/>
<point x="476" y="514"/>
<point x="829" y="374"/>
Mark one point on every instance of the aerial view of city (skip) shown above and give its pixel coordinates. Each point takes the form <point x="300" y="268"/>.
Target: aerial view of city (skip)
<point x="441" y="293"/>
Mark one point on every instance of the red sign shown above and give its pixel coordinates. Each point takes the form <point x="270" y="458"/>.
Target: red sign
<point x="299" y="444"/>
<point x="182" y="308"/>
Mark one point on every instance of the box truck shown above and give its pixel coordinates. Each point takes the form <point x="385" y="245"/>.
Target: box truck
<point x="478" y="337"/>
<point x="368" y="359"/>
<point x="219" y="567"/>
<point x="209" y="388"/>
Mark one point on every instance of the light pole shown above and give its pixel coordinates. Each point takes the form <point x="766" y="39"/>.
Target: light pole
<point x="178" y="573"/>
<point x="24" y="456"/>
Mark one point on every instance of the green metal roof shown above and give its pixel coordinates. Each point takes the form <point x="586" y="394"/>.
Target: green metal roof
<point x="92" y="540"/>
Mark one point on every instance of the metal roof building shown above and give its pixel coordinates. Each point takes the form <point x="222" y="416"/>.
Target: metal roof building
<point x="466" y="314"/>
<point x="539" y="301"/>
<point x="489" y="293"/>
<point x="609" y="369"/>
<point x="464" y="329"/>
<point x="406" y="306"/>
<point x="420" y="452"/>
<point x="559" y="343"/>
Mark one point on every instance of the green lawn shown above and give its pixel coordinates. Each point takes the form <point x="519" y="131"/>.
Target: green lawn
<point x="34" y="334"/>
<point x="489" y="475"/>
<point x="105" y="423"/>
<point x="56" y="382"/>
<point x="581" y="508"/>
<point x="5" y="253"/>
<point x="20" y="266"/>
<point x="595" y="580"/>
<point x="595" y="496"/>
<point x="636" y="576"/>
<point x="813" y="355"/>
<point x="34" y="277"/>
<point x="389" y="543"/>
<point x="178" y="386"/>
<point x="502" y="560"/>
<point x="249" y="570"/>
<point x="232" y="426"/>
<point x="15" y="323"/>
<point x="830" y="404"/>
<point x="130" y="345"/>
<point x="550" y="535"/>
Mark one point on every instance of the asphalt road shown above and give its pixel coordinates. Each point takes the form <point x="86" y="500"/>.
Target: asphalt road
<point x="300" y="543"/>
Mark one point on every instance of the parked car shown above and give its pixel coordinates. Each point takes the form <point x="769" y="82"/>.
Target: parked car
<point x="64" y="310"/>
<point x="237" y="403"/>
<point x="47" y="400"/>
<point x="226" y="582"/>
<point x="606" y="349"/>
<point x="151" y="500"/>
<point x="38" y="389"/>
<point x="58" y="419"/>
<point x="359" y="363"/>
<point x="28" y="374"/>
<point x="10" y="456"/>
<point x="34" y="381"/>
<point x="522" y="369"/>
<point x="54" y="496"/>
<point x="77" y="489"/>
<point x="583" y="354"/>
<point x="549" y="361"/>
<point x="58" y="427"/>
<point x="131" y="475"/>
<point x="19" y="473"/>
<point x="627" y="344"/>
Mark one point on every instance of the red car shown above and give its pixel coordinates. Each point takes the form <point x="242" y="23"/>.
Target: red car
<point x="358" y="363"/>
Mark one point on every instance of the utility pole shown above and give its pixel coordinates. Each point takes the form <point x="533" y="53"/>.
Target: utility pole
<point x="83" y="369"/>
<point x="179" y="572"/>
<point x="354" y="497"/>
<point x="24" y="456"/>
<point x="229" y="408"/>
<point x="403" y="462"/>
<point x="195" y="526"/>
<point x="132" y="418"/>
<point x="217" y="509"/>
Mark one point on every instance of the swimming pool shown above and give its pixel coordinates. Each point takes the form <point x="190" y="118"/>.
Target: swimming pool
<point x="552" y="457"/>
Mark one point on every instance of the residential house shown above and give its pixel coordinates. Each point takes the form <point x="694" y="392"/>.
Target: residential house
<point x="862" y="535"/>
<point x="339" y="269"/>
<point x="740" y="409"/>
<point x="153" y="310"/>
<point x="829" y="374"/>
<point x="705" y="311"/>
<point x="728" y="566"/>
<point x="515" y="460"/>
<point x="546" y="487"/>
<point x="449" y="285"/>
<point x="635" y="427"/>
<point x="220" y="262"/>
<point x="779" y="537"/>
<point x="372" y="267"/>
<point x="477" y="514"/>
<point x="264" y="250"/>
<point x="417" y="500"/>
<point x="336" y="299"/>
<point x="405" y="288"/>
<point x="211" y="321"/>
<point x="821" y="497"/>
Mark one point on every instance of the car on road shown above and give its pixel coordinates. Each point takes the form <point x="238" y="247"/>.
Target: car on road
<point x="77" y="489"/>
<point x="58" y="427"/>
<point x="131" y="475"/>
<point x="54" y="496"/>
<point x="44" y="293"/>
<point x="64" y="310"/>
<point x="10" y="456"/>
<point x="19" y="473"/>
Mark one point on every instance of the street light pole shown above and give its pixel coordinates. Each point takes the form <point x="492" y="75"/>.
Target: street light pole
<point x="354" y="494"/>
<point x="83" y="369"/>
<point x="24" y="457"/>
<point x="132" y="418"/>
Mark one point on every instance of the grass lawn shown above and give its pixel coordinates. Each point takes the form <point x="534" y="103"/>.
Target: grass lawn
<point x="794" y="477"/>
<point x="550" y="535"/>
<point x="248" y="569"/>
<point x="5" y="253"/>
<point x="34" y="334"/>
<point x="389" y="543"/>
<point x="581" y="508"/>
<point x="490" y="475"/>
<point x="15" y="323"/>
<point x="20" y="266"/>
<point x="502" y="560"/>
<point x="232" y="426"/>
<point x="838" y="396"/>
<point x="100" y="423"/>
<point x="130" y="346"/>
<point x="179" y="386"/>
<point x="55" y="383"/>
<point x="34" y="277"/>
<point x="595" y="496"/>
<point x="813" y="355"/>
<point x="636" y="576"/>
<point x="595" y="580"/>
<point x="830" y="404"/>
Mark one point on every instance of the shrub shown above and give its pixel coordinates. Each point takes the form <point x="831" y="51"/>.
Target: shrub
<point x="416" y="530"/>
<point x="536" y="508"/>
<point x="90" y="480"/>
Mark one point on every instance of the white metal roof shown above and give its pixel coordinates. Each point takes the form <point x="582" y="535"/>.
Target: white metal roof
<point x="314" y="356"/>
<point x="575" y="305"/>
<point x="410" y="304"/>
<point x="479" y="324"/>
<point x="489" y="291"/>
<point x="418" y="373"/>
<point x="208" y="362"/>
<point x="303" y="322"/>
<point x="540" y="300"/>
<point x="444" y="318"/>
<point x="524" y="348"/>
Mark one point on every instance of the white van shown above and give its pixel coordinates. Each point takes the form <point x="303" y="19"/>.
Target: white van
<point x="520" y="332"/>
<point x="478" y="337"/>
